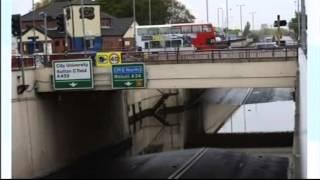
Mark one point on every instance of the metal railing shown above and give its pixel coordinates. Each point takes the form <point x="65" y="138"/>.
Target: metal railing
<point x="174" y="57"/>
<point x="211" y="56"/>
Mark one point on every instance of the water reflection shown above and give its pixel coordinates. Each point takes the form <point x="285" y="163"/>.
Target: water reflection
<point x="264" y="117"/>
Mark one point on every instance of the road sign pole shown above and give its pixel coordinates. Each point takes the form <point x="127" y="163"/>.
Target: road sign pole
<point x="278" y="30"/>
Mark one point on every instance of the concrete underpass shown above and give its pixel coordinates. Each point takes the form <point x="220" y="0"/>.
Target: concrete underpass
<point x="83" y="133"/>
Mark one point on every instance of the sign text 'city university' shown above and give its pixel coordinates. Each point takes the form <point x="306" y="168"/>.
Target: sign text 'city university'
<point x="126" y="76"/>
<point x="72" y="75"/>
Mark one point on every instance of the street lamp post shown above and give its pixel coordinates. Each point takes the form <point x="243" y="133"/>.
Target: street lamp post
<point x="46" y="36"/>
<point x="252" y="14"/>
<point x="227" y="25"/>
<point x="207" y="7"/>
<point x="34" y="28"/>
<point x="150" y="21"/>
<point x="134" y="23"/>
<point x="298" y="16"/>
<point x="218" y="16"/>
<point x="241" y="5"/>
<point x="172" y="7"/>
<point x="83" y="30"/>
<point x="222" y="18"/>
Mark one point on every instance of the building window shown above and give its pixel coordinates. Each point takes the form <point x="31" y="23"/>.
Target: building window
<point x="68" y="13"/>
<point x="197" y="29"/>
<point x="127" y="43"/>
<point x="146" y="45"/>
<point x="106" y="23"/>
<point x="90" y="43"/>
<point x="186" y="29"/>
<point x="156" y="44"/>
<point x="88" y="13"/>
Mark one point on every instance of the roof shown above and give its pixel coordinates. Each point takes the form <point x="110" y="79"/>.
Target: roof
<point x="87" y="2"/>
<point x="54" y="9"/>
<point x="118" y="28"/>
<point x="106" y="15"/>
<point x="51" y="33"/>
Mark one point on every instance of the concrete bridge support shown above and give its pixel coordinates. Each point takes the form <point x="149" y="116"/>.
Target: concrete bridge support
<point x="50" y="131"/>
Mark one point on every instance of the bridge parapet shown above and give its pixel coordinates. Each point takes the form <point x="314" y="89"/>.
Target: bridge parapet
<point x="175" y="57"/>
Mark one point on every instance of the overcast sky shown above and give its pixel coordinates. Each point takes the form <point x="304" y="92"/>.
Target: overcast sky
<point x="266" y="10"/>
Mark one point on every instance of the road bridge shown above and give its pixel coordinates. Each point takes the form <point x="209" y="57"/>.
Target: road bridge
<point x="53" y="129"/>
<point x="206" y="69"/>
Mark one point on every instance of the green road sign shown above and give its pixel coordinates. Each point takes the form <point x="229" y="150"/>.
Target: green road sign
<point x="72" y="74"/>
<point x="128" y="76"/>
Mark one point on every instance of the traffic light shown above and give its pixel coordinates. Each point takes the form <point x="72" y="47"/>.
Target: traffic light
<point x="16" y="29"/>
<point x="60" y="23"/>
<point x="282" y="23"/>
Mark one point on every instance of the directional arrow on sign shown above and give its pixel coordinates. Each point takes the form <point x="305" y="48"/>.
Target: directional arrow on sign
<point x="73" y="84"/>
<point x="128" y="83"/>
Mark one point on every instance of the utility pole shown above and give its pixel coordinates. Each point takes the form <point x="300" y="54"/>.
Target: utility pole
<point x="172" y="7"/>
<point x="279" y="36"/>
<point x="218" y="16"/>
<point x="21" y="60"/>
<point x="44" y="14"/>
<point x="134" y="23"/>
<point x="303" y="27"/>
<point x="227" y="10"/>
<point x="66" y="44"/>
<point x="83" y="30"/>
<point x="252" y="14"/>
<point x="299" y="19"/>
<point x="34" y="26"/>
<point x="207" y="7"/>
<point x="150" y="22"/>
<point x="222" y="22"/>
<point x="241" y="5"/>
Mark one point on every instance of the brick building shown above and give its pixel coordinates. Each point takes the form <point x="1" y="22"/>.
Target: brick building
<point x="103" y="32"/>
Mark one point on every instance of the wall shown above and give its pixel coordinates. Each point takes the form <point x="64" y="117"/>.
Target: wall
<point x="112" y="43"/>
<point x="37" y="33"/>
<point x="300" y="138"/>
<point x="150" y="132"/>
<point x="52" y="130"/>
<point x="60" y="48"/>
<point x="130" y="32"/>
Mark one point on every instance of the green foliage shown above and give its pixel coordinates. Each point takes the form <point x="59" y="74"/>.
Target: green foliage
<point x="293" y="25"/>
<point x="254" y="35"/>
<point x="246" y="30"/>
<point x="162" y="11"/>
<point x="42" y="4"/>
<point x="234" y="31"/>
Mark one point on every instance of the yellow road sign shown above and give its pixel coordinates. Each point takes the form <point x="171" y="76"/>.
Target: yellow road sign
<point x="106" y="59"/>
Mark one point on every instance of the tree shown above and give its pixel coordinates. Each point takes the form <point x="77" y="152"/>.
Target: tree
<point x="246" y="30"/>
<point x="42" y="4"/>
<point x="162" y="11"/>
<point x="293" y="25"/>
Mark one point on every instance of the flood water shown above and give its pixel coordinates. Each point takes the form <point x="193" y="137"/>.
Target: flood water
<point x="264" y="117"/>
